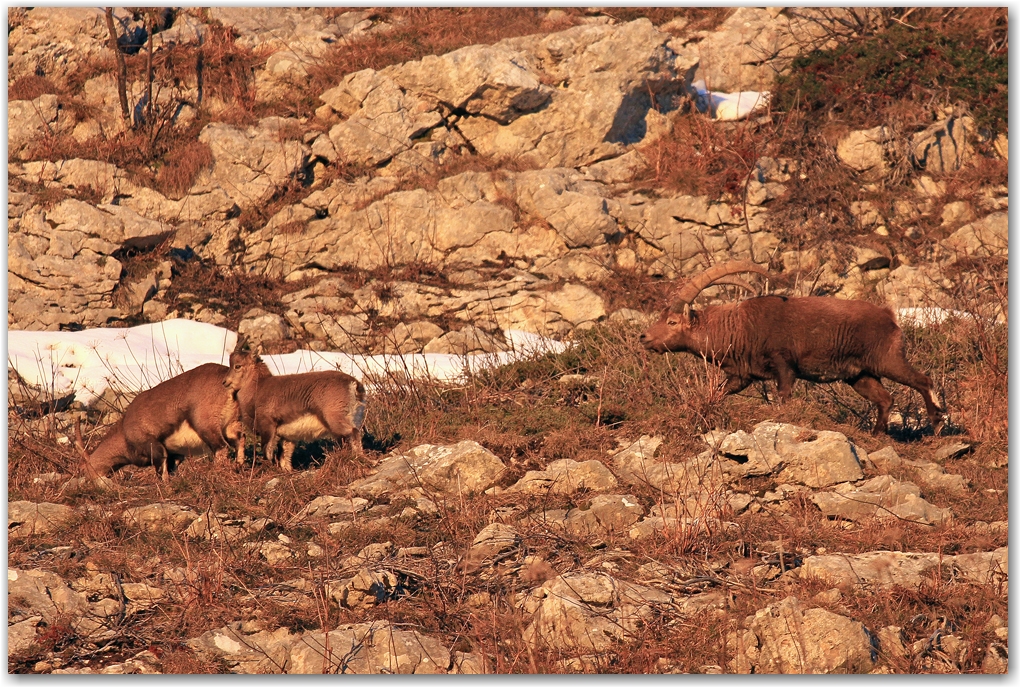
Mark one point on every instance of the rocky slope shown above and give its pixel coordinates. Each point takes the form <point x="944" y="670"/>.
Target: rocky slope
<point x="428" y="205"/>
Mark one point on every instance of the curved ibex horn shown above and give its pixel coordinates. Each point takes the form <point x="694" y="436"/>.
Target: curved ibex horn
<point x="696" y="285"/>
<point x="735" y="281"/>
<point x="242" y="344"/>
<point x="79" y="443"/>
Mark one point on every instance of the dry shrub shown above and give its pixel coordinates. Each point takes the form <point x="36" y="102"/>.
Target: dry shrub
<point x="30" y="87"/>
<point x="421" y="31"/>
<point x="235" y="291"/>
<point x="698" y="18"/>
<point x="181" y="166"/>
<point x="701" y="157"/>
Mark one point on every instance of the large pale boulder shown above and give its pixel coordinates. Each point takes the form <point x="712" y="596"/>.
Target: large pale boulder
<point x="881" y="497"/>
<point x="945" y="146"/>
<point x="250" y="165"/>
<point x="905" y="569"/>
<point x="566" y="476"/>
<point x="162" y="516"/>
<point x="605" y="73"/>
<point x="606" y="513"/>
<point x="787" y="638"/>
<point x="463" y="468"/>
<point x="369" y="648"/>
<point x="582" y="219"/>
<point x="988" y="236"/>
<point x="493" y="543"/>
<point x="30" y="120"/>
<point x="591" y="612"/>
<point x="755" y="44"/>
<point x="490" y="81"/>
<point x="864" y="151"/>
<point x="37" y="593"/>
<point x="795" y="454"/>
<point x="383" y="120"/>
<point x="26" y="518"/>
<point x="247" y="648"/>
<point x="466" y="341"/>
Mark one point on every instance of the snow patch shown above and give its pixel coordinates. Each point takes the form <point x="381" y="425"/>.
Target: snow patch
<point x="90" y="361"/>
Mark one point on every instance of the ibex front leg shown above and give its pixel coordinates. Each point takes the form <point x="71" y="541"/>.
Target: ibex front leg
<point x="288" y="454"/>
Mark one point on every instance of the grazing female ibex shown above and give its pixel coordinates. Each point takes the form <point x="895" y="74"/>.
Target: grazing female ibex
<point x="819" y="339"/>
<point x="190" y="414"/>
<point x="299" y="407"/>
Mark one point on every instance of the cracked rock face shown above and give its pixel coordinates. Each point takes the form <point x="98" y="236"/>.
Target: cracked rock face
<point x="464" y="468"/>
<point x="786" y="638"/>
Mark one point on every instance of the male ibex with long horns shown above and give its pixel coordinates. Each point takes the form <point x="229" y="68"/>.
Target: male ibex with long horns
<point x="190" y="414"/>
<point x="819" y="339"/>
<point x="298" y="407"/>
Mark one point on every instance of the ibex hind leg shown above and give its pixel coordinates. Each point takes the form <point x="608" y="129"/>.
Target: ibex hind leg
<point x="908" y="376"/>
<point x="871" y="388"/>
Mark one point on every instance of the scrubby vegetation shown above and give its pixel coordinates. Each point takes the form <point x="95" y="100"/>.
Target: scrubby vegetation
<point x="602" y="393"/>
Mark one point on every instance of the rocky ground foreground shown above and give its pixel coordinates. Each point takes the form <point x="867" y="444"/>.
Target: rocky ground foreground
<point x="420" y="181"/>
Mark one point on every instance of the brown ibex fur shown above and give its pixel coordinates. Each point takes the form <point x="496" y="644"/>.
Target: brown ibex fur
<point x="819" y="339"/>
<point x="190" y="414"/>
<point x="294" y="408"/>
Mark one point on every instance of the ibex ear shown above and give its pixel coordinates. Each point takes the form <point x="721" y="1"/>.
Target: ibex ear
<point x="258" y="350"/>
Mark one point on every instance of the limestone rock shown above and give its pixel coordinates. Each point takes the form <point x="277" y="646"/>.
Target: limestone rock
<point x="988" y="236"/>
<point x="383" y="120"/>
<point x="864" y="151"/>
<point x="367" y="588"/>
<point x="255" y="651"/>
<point x="752" y="46"/>
<point x="37" y="593"/>
<point x="369" y="648"/>
<point x="25" y="518"/>
<point x="493" y="543"/>
<point x="163" y="516"/>
<point x="930" y="474"/>
<point x="602" y="104"/>
<point x="945" y="146"/>
<point x="582" y="219"/>
<point x="465" y="341"/>
<point x="565" y="477"/>
<point x="490" y="81"/>
<point x="21" y="635"/>
<point x="218" y="526"/>
<point x="591" y="612"/>
<point x="331" y="506"/>
<point x="795" y="454"/>
<point x="259" y="326"/>
<point x="895" y="568"/>
<point x="787" y="638"/>
<point x="996" y="661"/>
<point x="604" y="514"/>
<point x="250" y="165"/>
<point x="410" y="337"/>
<point x="882" y="497"/>
<point x="463" y="468"/>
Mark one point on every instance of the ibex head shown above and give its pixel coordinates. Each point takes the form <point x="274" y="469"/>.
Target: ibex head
<point x="245" y="365"/>
<point x="670" y="331"/>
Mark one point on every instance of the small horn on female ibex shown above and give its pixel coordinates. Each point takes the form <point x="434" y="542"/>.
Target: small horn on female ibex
<point x="79" y="443"/>
<point x="686" y="295"/>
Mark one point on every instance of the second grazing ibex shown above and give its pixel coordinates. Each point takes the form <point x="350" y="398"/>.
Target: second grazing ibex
<point x="190" y="414"/>
<point x="298" y="407"/>
<point x="819" y="339"/>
